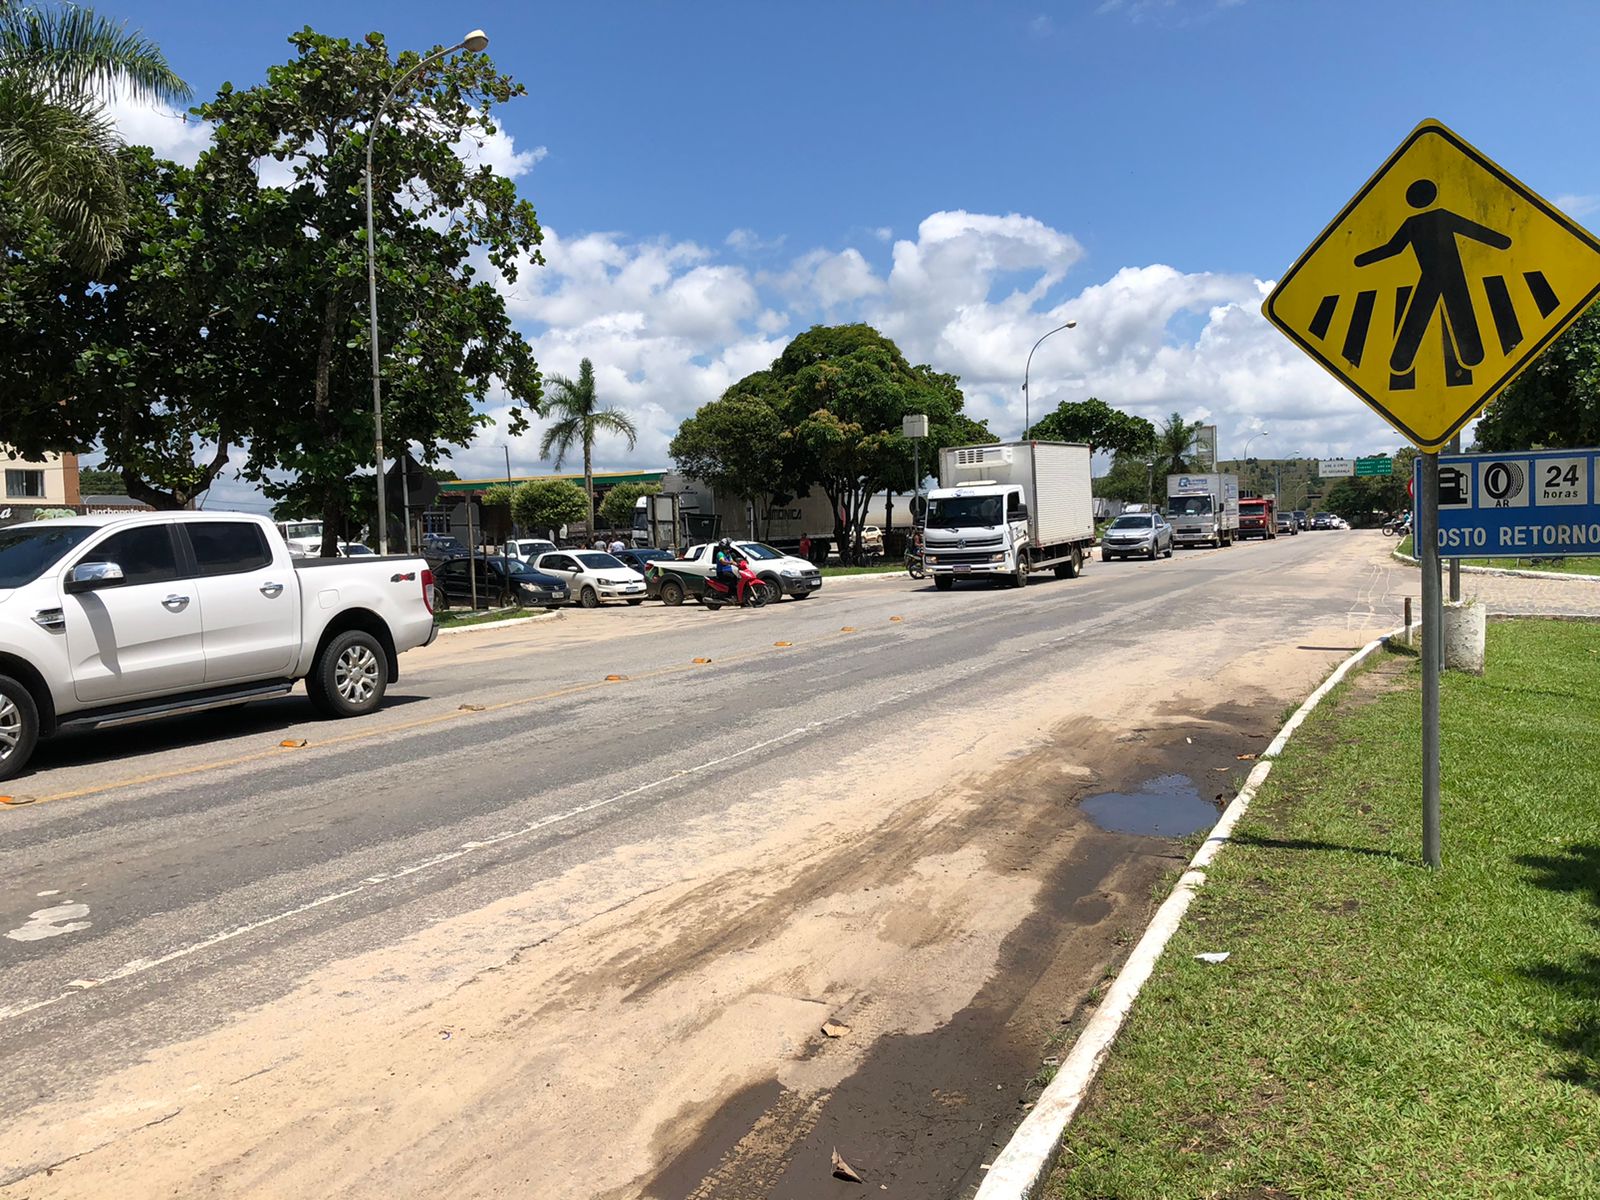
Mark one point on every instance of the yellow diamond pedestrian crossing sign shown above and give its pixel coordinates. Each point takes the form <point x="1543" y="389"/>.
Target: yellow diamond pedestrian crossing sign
<point x="1436" y="285"/>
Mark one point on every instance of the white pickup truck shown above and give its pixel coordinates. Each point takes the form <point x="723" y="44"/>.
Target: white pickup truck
<point x="108" y="620"/>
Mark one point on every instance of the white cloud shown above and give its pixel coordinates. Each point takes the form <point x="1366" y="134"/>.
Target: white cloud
<point x="1577" y="206"/>
<point x="166" y="130"/>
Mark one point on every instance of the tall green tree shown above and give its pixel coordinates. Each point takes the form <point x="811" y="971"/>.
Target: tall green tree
<point x="579" y="419"/>
<point x="1555" y="403"/>
<point x="843" y="391"/>
<point x="57" y="145"/>
<point x="236" y="315"/>
<point x="1097" y="424"/>
<point x="1172" y="446"/>
<point x="735" y="445"/>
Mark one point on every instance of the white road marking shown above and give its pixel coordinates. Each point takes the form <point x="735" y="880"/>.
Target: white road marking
<point x="140" y="965"/>
<point x="55" y="892"/>
<point x="52" y="922"/>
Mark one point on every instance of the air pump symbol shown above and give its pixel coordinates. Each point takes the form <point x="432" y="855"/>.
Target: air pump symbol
<point x="1503" y="482"/>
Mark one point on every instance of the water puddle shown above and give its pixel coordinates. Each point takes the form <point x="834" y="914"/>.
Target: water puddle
<point x="1167" y="806"/>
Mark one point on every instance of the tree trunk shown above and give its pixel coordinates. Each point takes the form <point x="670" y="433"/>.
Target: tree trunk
<point x="333" y="496"/>
<point x="588" y="476"/>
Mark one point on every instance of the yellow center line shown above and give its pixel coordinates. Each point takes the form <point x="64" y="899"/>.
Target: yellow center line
<point x="386" y="730"/>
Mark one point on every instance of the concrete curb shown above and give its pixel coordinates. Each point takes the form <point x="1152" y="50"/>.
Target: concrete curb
<point x="1509" y="572"/>
<point x="483" y="625"/>
<point x="1022" y="1167"/>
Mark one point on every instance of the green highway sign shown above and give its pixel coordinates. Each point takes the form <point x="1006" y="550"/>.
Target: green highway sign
<point x="1380" y="464"/>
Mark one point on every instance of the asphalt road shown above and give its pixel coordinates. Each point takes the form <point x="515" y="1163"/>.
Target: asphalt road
<point x="168" y="877"/>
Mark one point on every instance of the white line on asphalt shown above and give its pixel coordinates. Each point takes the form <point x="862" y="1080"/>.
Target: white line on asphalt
<point x="52" y="922"/>
<point x="140" y="965"/>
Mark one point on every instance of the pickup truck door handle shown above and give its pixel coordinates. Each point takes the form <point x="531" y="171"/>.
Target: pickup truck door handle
<point x="272" y="590"/>
<point x="175" y="603"/>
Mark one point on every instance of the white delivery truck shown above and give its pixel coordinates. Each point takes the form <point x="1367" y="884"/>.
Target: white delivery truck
<point x="1007" y="510"/>
<point x="1203" y="508"/>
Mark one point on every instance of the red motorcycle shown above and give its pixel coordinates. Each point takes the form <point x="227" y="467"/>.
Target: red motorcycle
<point x="749" y="592"/>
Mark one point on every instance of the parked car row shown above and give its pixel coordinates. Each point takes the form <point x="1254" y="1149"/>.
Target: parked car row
<point x="590" y="578"/>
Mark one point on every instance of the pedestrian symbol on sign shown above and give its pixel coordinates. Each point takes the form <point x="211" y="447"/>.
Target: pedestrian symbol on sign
<point x="1432" y="236"/>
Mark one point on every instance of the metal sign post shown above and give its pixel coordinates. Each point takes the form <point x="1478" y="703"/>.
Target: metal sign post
<point x="1432" y="652"/>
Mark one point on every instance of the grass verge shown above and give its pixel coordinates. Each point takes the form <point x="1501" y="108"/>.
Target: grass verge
<point x="880" y="569"/>
<point x="1566" y="566"/>
<point x="456" y="619"/>
<point x="1381" y="1030"/>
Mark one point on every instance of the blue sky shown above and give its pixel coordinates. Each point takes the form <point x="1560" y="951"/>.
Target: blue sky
<point x="718" y="176"/>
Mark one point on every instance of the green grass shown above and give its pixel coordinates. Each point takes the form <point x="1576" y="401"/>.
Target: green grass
<point x="879" y="569"/>
<point x="1382" y="1030"/>
<point x="1568" y="566"/>
<point x="456" y="618"/>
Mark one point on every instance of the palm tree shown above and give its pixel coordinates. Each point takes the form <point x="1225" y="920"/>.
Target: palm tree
<point x="1173" y="440"/>
<point x="58" y="148"/>
<point x="581" y="418"/>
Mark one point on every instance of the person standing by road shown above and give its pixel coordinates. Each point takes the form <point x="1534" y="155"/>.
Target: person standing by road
<point x="805" y="546"/>
<point x="617" y="546"/>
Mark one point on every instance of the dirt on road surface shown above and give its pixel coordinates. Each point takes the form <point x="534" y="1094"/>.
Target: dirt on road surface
<point x="878" y="958"/>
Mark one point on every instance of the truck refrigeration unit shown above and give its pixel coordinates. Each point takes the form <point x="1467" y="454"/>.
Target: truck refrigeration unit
<point x="1005" y="511"/>
<point x="1203" y="508"/>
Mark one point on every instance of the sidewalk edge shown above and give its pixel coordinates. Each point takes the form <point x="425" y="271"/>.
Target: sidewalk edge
<point x="1028" y="1158"/>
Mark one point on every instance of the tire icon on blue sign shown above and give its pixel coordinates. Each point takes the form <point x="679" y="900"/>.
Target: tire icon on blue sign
<point x="1503" y="481"/>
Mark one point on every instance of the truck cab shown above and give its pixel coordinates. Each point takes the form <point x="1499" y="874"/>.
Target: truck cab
<point x="1258" y="517"/>
<point x="1203" y="508"/>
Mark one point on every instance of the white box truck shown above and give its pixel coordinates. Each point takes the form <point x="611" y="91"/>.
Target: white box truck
<point x="1203" y="508"/>
<point x="1002" y="512"/>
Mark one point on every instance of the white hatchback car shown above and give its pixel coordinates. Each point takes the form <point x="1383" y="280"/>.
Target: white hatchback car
<point x="593" y="576"/>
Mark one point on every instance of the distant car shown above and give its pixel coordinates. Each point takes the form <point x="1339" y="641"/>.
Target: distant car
<point x="784" y="574"/>
<point x="1340" y="523"/>
<point x="453" y="585"/>
<point x="1322" y="521"/>
<point x="1144" y="534"/>
<point x="355" y="550"/>
<point x="593" y="575"/>
<point x="439" y="548"/>
<point x="528" y="549"/>
<point x="1301" y="520"/>
<point x="1287" y="524"/>
<point x="640" y="557"/>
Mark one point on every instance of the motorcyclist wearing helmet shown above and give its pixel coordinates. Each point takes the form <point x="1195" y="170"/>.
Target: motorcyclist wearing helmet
<point x="725" y="560"/>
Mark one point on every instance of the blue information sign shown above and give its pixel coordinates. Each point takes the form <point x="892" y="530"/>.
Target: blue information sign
<point x="1543" y="503"/>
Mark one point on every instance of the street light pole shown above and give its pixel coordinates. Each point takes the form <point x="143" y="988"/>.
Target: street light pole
<point x="1027" y="400"/>
<point x="1245" y="461"/>
<point x="474" y="41"/>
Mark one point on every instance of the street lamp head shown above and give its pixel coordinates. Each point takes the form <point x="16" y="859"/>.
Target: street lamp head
<point x="1072" y="324"/>
<point x="476" y="41"/>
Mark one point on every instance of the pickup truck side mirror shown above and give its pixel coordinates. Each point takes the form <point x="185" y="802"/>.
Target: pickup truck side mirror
<point x="87" y="577"/>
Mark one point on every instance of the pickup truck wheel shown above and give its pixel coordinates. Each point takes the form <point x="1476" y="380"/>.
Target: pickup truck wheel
<point x="19" y="726"/>
<point x="774" y="588"/>
<point x="589" y="598"/>
<point x="943" y="582"/>
<point x="672" y="593"/>
<point x="349" y="677"/>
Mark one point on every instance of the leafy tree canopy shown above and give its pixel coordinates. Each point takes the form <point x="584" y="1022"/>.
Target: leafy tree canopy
<point x="616" y="510"/>
<point x="1555" y="403"/>
<point x="548" y="504"/>
<point x="1096" y="423"/>
<point x="236" y="317"/>
<point x="95" y="482"/>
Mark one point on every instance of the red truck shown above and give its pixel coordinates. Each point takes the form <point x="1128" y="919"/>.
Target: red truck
<point x="1258" y="517"/>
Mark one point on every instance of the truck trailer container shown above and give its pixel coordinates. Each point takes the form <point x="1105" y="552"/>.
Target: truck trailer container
<point x="1203" y="508"/>
<point x="1002" y="512"/>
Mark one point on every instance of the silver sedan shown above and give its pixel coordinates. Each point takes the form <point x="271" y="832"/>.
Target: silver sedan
<point x="1144" y="534"/>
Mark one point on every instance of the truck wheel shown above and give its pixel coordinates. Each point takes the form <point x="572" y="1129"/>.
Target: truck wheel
<point x="672" y="593"/>
<point x="19" y="726"/>
<point x="349" y="677"/>
<point x="943" y="582"/>
<point x="1020" y="578"/>
<point x="589" y="598"/>
<point x="1073" y="567"/>
<point x="774" y="588"/>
